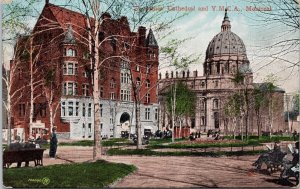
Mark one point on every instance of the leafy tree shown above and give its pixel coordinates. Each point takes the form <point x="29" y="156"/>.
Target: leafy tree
<point x="185" y="104"/>
<point x="232" y="109"/>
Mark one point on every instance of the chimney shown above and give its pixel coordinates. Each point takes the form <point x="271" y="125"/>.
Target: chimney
<point x="105" y="16"/>
<point x="142" y="35"/>
<point x="47" y="2"/>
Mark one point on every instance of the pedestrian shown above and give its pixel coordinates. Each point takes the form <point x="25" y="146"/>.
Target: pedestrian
<point x="294" y="135"/>
<point x="53" y="143"/>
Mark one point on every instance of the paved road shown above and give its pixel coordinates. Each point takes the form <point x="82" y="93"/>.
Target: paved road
<point x="177" y="171"/>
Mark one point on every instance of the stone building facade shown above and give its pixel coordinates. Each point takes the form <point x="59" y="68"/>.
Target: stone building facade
<point x="62" y="65"/>
<point x="225" y="57"/>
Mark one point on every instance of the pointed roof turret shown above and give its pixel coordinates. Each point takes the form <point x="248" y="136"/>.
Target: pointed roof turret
<point x="226" y="22"/>
<point x="69" y="38"/>
<point x="151" y="41"/>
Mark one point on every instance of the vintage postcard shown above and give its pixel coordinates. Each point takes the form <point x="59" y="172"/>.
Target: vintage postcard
<point x="150" y="93"/>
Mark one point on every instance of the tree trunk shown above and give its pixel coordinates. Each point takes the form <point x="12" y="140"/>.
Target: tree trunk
<point x="234" y="127"/>
<point x="8" y="127"/>
<point x="173" y="112"/>
<point x="242" y="128"/>
<point x="180" y="128"/>
<point x="97" y="130"/>
<point x="138" y="125"/>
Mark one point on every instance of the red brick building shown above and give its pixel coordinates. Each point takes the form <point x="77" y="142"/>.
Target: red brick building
<point x="62" y="76"/>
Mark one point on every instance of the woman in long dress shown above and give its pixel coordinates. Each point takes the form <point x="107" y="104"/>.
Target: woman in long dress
<point x="53" y="144"/>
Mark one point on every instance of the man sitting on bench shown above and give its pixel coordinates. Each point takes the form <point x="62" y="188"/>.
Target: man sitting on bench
<point x="16" y="146"/>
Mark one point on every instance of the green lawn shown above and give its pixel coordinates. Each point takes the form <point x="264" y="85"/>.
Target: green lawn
<point x="117" y="142"/>
<point x="148" y="152"/>
<point x="108" y="142"/>
<point x="179" y="145"/>
<point x="83" y="175"/>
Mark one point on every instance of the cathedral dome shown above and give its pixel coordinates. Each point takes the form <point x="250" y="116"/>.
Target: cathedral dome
<point x="226" y="43"/>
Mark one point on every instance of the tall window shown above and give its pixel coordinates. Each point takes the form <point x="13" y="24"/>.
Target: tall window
<point x="63" y="108"/>
<point x="216" y="104"/>
<point x="43" y="109"/>
<point x="83" y="109"/>
<point x="83" y="130"/>
<point x="112" y="83"/>
<point x="90" y="130"/>
<point x="76" y="108"/>
<point x="156" y="114"/>
<point x="216" y="83"/>
<point x="70" y="68"/>
<point x="101" y="92"/>
<point x="90" y="110"/>
<point x="202" y="120"/>
<point x="147" y="113"/>
<point x="70" y="108"/>
<point x="147" y="98"/>
<point x="138" y="81"/>
<point x="147" y="83"/>
<point x="101" y="110"/>
<point x="85" y="90"/>
<point x="21" y="110"/>
<point x="125" y="77"/>
<point x="148" y="68"/>
<point x="70" y="88"/>
<point x="125" y="95"/>
<point x="112" y="96"/>
<point x="137" y="68"/>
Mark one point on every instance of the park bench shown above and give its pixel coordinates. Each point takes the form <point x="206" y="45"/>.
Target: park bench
<point x="23" y="155"/>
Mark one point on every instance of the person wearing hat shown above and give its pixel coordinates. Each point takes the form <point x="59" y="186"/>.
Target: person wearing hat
<point x="53" y="143"/>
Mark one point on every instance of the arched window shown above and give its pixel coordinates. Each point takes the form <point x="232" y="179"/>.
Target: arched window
<point x="216" y="103"/>
<point x="171" y="74"/>
<point x="148" y="68"/>
<point x="147" y="83"/>
<point x="71" y="52"/>
<point x="202" y="105"/>
<point x="183" y="74"/>
<point x="138" y="81"/>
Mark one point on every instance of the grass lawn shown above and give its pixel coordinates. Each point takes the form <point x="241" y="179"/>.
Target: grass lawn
<point x="148" y="152"/>
<point x="181" y="144"/>
<point x="204" y="144"/>
<point x="83" y="175"/>
<point x="263" y="139"/>
<point x="108" y="142"/>
<point x="117" y="142"/>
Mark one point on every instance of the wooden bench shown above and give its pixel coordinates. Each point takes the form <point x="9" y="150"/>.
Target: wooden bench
<point x="23" y="155"/>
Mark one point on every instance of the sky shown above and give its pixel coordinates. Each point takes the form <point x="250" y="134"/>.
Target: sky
<point x="203" y="22"/>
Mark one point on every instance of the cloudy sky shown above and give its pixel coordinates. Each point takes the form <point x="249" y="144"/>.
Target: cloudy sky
<point x="203" y="22"/>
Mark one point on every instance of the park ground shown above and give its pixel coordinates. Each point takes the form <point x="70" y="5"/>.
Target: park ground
<point x="176" y="171"/>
